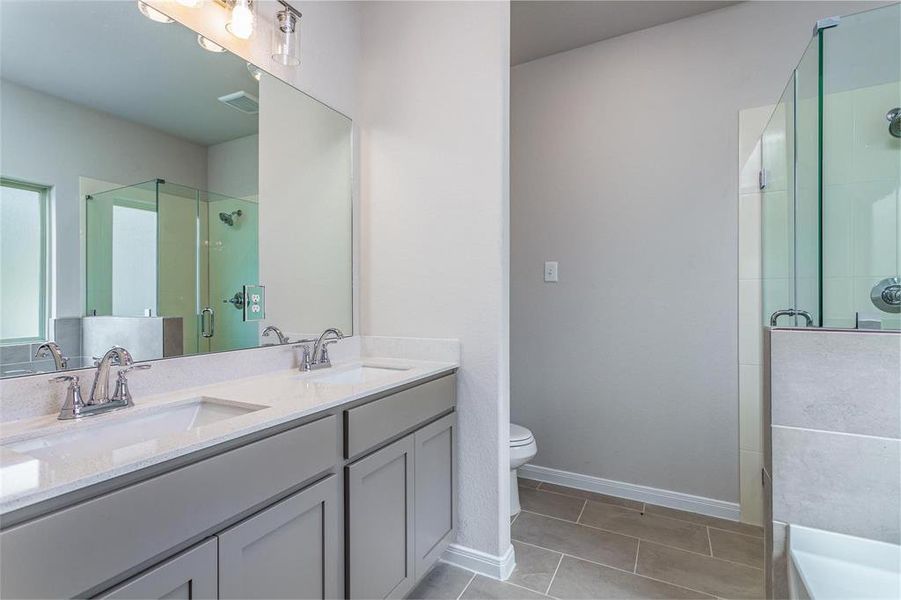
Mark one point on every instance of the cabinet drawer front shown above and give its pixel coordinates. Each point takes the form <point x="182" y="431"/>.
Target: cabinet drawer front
<point x="77" y="549"/>
<point x="288" y="550"/>
<point x="190" y="575"/>
<point x="371" y="424"/>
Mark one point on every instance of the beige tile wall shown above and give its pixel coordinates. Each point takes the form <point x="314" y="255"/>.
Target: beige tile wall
<point x="751" y="124"/>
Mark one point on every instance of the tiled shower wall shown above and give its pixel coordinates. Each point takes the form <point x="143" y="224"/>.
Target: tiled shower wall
<point x="751" y="124"/>
<point x="833" y="462"/>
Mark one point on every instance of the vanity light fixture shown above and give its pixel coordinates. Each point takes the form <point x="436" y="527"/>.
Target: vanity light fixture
<point x="285" y="36"/>
<point x="153" y="14"/>
<point x="190" y="3"/>
<point x="209" y="45"/>
<point x="255" y="71"/>
<point x="242" y="18"/>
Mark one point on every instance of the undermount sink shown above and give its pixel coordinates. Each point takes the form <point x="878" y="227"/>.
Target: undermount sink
<point x="127" y="435"/>
<point x="358" y="375"/>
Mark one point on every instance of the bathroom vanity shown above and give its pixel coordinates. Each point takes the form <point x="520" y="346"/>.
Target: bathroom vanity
<point x="334" y="483"/>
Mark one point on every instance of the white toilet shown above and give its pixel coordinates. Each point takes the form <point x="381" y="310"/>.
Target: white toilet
<point x="522" y="450"/>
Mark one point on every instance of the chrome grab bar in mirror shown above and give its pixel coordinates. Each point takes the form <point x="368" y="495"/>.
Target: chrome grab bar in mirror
<point x="790" y="312"/>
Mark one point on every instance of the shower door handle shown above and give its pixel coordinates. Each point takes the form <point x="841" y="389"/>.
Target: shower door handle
<point x="790" y="312"/>
<point x="207" y="333"/>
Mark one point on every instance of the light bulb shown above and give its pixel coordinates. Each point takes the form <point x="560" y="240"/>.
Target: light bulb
<point x="241" y="25"/>
<point x="190" y="3"/>
<point x="153" y="14"/>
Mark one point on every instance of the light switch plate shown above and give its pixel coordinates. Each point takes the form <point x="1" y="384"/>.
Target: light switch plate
<point x="550" y="272"/>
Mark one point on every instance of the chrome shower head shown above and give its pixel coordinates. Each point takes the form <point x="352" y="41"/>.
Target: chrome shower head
<point x="894" y="122"/>
<point x="229" y="218"/>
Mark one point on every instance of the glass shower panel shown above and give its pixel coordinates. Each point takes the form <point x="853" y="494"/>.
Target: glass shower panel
<point x="233" y="262"/>
<point x="178" y="260"/>
<point x="807" y="185"/>
<point x="777" y="208"/>
<point x="861" y="166"/>
<point x="121" y="249"/>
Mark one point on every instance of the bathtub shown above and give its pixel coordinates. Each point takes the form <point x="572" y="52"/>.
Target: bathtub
<point x="823" y="565"/>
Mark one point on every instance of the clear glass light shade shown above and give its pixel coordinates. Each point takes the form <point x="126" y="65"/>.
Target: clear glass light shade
<point x="153" y="14"/>
<point x="209" y="45"/>
<point x="286" y="39"/>
<point x="254" y="71"/>
<point x="190" y="3"/>
<point x="242" y="19"/>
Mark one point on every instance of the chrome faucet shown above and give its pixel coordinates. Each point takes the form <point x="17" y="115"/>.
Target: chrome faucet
<point x="282" y="338"/>
<point x="318" y="358"/>
<point x="51" y="348"/>
<point x="100" y="389"/>
<point x="100" y="401"/>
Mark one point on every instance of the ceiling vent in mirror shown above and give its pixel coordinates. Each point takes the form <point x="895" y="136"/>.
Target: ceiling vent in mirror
<point x="246" y="103"/>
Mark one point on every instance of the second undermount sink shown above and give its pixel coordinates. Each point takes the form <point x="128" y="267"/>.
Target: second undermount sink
<point x="129" y="435"/>
<point x="359" y="375"/>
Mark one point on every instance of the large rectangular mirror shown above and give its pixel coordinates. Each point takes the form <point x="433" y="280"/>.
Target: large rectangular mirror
<point x="159" y="194"/>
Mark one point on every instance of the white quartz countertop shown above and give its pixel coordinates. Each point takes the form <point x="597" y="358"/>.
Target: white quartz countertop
<point x="281" y="396"/>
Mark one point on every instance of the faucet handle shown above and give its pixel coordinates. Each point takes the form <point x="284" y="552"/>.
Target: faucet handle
<point x="306" y="359"/>
<point x="74" y="404"/>
<point x="121" y="393"/>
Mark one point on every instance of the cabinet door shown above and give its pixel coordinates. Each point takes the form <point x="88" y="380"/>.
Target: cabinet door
<point x="434" y="488"/>
<point x="288" y="550"/>
<point x="190" y="575"/>
<point x="380" y="523"/>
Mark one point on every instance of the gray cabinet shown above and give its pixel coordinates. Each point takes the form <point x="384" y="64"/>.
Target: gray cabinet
<point x="380" y="523"/>
<point x="434" y="468"/>
<point x="289" y="550"/>
<point x="190" y="575"/>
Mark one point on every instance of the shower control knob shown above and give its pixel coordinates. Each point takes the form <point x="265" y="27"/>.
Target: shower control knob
<point x="237" y="300"/>
<point x="886" y="295"/>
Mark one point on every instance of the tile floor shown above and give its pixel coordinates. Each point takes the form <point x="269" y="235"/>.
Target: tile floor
<point x="575" y="544"/>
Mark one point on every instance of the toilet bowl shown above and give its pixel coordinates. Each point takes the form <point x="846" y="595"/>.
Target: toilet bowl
<point x="522" y="450"/>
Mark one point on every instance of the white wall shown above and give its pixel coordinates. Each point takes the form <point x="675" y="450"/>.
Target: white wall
<point x="50" y="141"/>
<point x="623" y="169"/>
<point x="233" y="167"/>
<point x="434" y="109"/>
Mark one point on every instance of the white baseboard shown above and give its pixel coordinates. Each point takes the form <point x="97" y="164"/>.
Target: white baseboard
<point x="496" y="567"/>
<point x="668" y="498"/>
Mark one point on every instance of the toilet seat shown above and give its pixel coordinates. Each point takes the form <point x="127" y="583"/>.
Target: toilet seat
<point x="520" y="436"/>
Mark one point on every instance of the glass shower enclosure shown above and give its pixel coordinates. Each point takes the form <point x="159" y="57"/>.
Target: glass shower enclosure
<point x="830" y="180"/>
<point x="165" y="250"/>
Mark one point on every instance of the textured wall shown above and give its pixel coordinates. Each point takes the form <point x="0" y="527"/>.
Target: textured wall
<point x="434" y="251"/>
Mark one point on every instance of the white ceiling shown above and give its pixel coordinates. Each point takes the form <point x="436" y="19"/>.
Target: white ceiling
<point x="542" y="28"/>
<point x="109" y="57"/>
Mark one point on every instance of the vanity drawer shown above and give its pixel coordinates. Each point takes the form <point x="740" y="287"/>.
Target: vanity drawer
<point x="70" y="552"/>
<point x="370" y="424"/>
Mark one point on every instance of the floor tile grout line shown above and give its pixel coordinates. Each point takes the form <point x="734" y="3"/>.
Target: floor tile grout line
<point x="581" y="512"/>
<point x="748" y="535"/>
<point x="547" y="592"/>
<point x="709" y="541"/>
<point x="644" y="508"/>
<point x="468" y="583"/>
<point x="546" y="491"/>
<point x="637" y="550"/>
<point x="635" y="538"/>
<point x="594" y="562"/>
